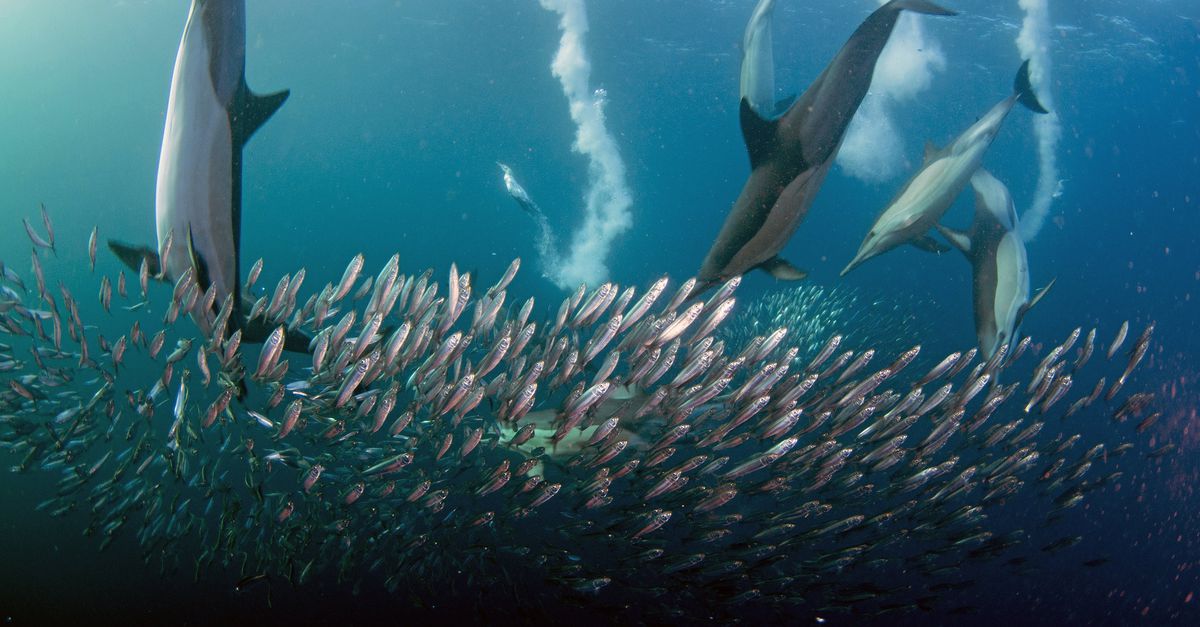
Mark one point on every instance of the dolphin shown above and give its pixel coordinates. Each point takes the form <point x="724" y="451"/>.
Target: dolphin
<point x="999" y="266"/>
<point x="518" y="193"/>
<point x="211" y="114"/>
<point x="790" y="155"/>
<point x="943" y="176"/>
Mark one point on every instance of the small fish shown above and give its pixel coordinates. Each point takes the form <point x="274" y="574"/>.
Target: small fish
<point x="92" y="250"/>
<point x="1119" y="339"/>
<point x="37" y="239"/>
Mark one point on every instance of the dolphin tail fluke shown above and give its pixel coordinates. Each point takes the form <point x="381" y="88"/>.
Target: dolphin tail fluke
<point x="920" y="6"/>
<point x="1024" y="90"/>
<point x="132" y="256"/>
<point x="958" y="239"/>
<point x="782" y="270"/>
<point x="254" y="110"/>
<point x="1033" y="301"/>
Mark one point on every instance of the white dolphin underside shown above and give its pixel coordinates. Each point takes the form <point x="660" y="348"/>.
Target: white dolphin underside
<point x="1012" y="287"/>
<point x="195" y="167"/>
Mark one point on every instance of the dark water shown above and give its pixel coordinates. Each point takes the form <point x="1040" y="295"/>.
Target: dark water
<point x="398" y="113"/>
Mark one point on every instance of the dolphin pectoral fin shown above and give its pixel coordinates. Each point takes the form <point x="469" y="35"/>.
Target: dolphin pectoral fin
<point x="1041" y="293"/>
<point x="1033" y="301"/>
<point x="297" y="341"/>
<point x="928" y="244"/>
<point x="132" y="256"/>
<point x="198" y="264"/>
<point x="257" y="331"/>
<point x="782" y="270"/>
<point x="759" y="134"/>
<point x="253" y="110"/>
<point x="958" y="239"/>
<point x="254" y="330"/>
<point x="921" y="6"/>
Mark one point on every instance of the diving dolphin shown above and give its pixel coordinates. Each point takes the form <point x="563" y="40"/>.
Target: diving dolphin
<point x="211" y="114"/>
<point x="999" y="267"/>
<point x="518" y="192"/>
<point x="790" y="156"/>
<point x="944" y="175"/>
<point x="545" y="242"/>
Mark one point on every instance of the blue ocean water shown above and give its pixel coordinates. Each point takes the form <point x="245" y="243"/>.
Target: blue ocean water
<point x="399" y="112"/>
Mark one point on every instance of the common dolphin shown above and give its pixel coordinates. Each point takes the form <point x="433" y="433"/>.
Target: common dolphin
<point x="790" y="156"/>
<point x="211" y="114"/>
<point x="944" y="175"/>
<point x="518" y="193"/>
<point x="999" y="266"/>
<point x="545" y="241"/>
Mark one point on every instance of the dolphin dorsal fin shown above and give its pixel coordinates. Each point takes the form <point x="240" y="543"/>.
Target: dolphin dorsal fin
<point x="931" y="153"/>
<point x="759" y="134"/>
<point x="253" y="110"/>
<point x="958" y="239"/>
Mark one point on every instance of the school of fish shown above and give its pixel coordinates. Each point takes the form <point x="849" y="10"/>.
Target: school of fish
<point x="614" y="446"/>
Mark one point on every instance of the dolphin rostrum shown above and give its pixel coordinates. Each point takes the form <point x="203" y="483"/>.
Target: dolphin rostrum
<point x="999" y="266"/>
<point x="943" y="176"/>
<point x="790" y="155"/>
<point x="211" y="114"/>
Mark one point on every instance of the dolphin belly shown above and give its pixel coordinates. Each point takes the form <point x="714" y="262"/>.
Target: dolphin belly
<point x="758" y="61"/>
<point x="1012" y="283"/>
<point x="194" y="189"/>
<point x="771" y="235"/>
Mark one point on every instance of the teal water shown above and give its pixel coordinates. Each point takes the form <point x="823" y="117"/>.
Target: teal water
<point x="389" y="142"/>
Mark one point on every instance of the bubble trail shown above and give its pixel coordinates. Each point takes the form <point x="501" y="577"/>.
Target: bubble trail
<point x="607" y="200"/>
<point x="1033" y="42"/>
